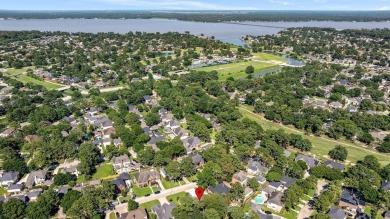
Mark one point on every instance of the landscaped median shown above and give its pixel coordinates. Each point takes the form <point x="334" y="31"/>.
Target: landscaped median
<point x="321" y="145"/>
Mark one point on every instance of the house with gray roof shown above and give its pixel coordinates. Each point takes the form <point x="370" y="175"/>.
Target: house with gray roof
<point x="385" y="186"/>
<point x="71" y="169"/>
<point x="163" y="211"/>
<point x="240" y="177"/>
<point x="334" y="165"/>
<point x="35" y="178"/>
<point x="197" y="160"/>
<point x="9" y="178"/>
<point x="33" y="194"/>
<point x="287" y="181"/>
<point x="139" y="213"/>
<point x="310" y="162"/>
<point x="350" y="201"/>
<point x="221" y="188"/>
<point x="387" y="215"/>
<point x="337" y="213"/>
<point x="256" y="168"/>
<point x="15" y="188"/>
<point x="275" y="201"/>
<point x="121" y="163"/>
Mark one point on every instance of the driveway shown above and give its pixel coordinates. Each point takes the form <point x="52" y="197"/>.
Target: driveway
<point x="307" y="211"/>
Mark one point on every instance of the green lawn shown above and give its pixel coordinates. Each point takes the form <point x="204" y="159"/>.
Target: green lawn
<point x="175" y="198"/>
<point x="170" y="184"/>
<point x="321" y="145"/>
<point x="155" y="188"/>
<point x="236" y="69"/>
<point x="103" y="171"/>
<point x="80" y="179"/>
<point x="192" y="178"/>
<point x="149" y="205"/>
<point x="112" y="215"/>
<point x="139" y="192"/>
<point x="268" y="57"/>
<point x="18" y="74"/>
<point x="3" y="191"/>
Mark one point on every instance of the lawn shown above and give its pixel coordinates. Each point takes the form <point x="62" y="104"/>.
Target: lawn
<point x="80" y="179"/>
<point x="112" y="215"/>
<point x="192" y="178"/>
<point x="149" y="205"/>
<point x="140" y="192"/>
<point x="170" y="184"/>
<point x="236" y="69"/>
<point x="103" y="171"/>
<point x="3" y="191"/>
<point x="18" y="74"/>
<point x="321" y="145"/>
<point x="268" y="57"/>
<point x="175" y="198"/>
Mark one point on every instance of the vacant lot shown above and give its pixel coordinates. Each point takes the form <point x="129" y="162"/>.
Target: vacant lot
<point x="321" y="145"/>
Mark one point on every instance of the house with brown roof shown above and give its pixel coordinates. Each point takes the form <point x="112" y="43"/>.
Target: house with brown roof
<point x="146" y="178"/>
<point x="35" y="178"/>
<point x="121" y="163"/>
<point x="8" y="132"/>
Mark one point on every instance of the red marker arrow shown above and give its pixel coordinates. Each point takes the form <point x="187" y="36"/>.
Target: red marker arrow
<point x="199" y="192"/>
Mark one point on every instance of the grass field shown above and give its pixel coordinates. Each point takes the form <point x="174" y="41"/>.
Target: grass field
<point x="321" y="145"/>
<point x="175" y="198"/>
<point x="103" y="171"/>
<point x="18" y="74"/>
<point x="149" y="205"/>
<point x="268" y="57"/>
<point x="139" y="192"/>
<point x="170" y="184"/>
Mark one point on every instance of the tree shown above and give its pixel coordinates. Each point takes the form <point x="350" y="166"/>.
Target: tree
<point x="253" y="183"/>
<point x="273" y="176"/>
<point x="14" y="209"/>
<point x="321" y="216"/>
<point x="211" y="213"/>
<point x="152" y="119"/>
<point x="89" y="157"/>
<point x="146" y="156"/>
<point x="338" y="153"/>
<point x="292" y="196"/>
<point x="217" y="202"/>
<point x="69" y="198"/>
<point x="14" y="164"/>
<point x="236" y="192"/>
<point x="173" y="170"/>
<point x="63" y="178"/>
<point x="45" y="206"/>
<point x="132" y="205"/>
<point x="250" y="69"/>
<point x="236" y="213"/>
<point x="371" y="162"/>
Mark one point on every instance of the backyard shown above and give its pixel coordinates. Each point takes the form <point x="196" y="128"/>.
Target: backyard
<point x="103" y="171"/>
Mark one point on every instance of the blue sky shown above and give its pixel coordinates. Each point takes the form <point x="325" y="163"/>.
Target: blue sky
<point x="195" y="4"/>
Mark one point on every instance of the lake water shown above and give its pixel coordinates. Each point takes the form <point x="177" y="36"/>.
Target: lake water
<point x="230" y="33"/>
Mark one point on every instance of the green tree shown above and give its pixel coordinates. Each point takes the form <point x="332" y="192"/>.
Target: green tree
<point x="89" y="157"/>
<point x="132" y="205"/>
<point x="236" y="213"/>
<point x="253" y="183"/>
<point x="45" y="206"/>
<point x="292" y="196"/>
<point x="236" y="192"/>
<point x="69" y="198"/>
<point x="14" y="209"/>
<point x="250" y="69"/>
<point x="338" y="153"/>
<point x="211" y="213"/>
<point x="63" y="178"/>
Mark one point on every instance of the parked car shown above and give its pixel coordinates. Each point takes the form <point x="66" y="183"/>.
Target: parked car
<point x="147" y="195"/>
<point x="157" y="192"/>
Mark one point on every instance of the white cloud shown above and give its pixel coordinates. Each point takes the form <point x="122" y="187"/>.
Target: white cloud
<point x="175" y="4"/>
<point x="384" y="8"/>
<point x="285" y="3"/>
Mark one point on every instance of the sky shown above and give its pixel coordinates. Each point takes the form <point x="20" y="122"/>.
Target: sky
<point x="195" y="4"/>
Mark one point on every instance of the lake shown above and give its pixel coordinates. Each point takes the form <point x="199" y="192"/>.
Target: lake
<point x="230" y="33"/>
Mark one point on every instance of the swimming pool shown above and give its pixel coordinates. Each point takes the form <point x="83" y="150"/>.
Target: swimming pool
<point x="259" y="200"/>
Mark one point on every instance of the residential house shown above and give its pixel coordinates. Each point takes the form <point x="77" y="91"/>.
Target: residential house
<point x="256" y="168"/>
<point x="72" y="170"/>
<point x="337" y="213"/>
<point x="336" y="105"/>
<point x="361" y="215"/>
<point x="248" y="192"/>
<point x="121" y="164"/>
<point x="190" y="143"/>
<point x="139" y="213"/>
<point x="148" y="99"/>
<point x="146" y="178"/>
<point x="387" y="215"/>
<point x="334" y="165"/>
<point x="197" y="160"/>
<point x="120" y="184"/>
<point x="275" y="201"/>
<point x="350" y="201"/>
<point x="163" y="211"/>
<point x="35" y="178"/>
<point x="240" y="177"/>
<point x="8" y="132"/>
<point x="287" y="181"/>
<point x="222" y="188"/>
<point x="32" y="138"/>
<point x="15" y="188"/>
<point x="310" y="162"/>
<point x="261" y="179"/>
<point x="9" y="178"/>
<point x="33" y="194"/>
<point x="162" y="112"/>
<point x="385" y="186"/>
